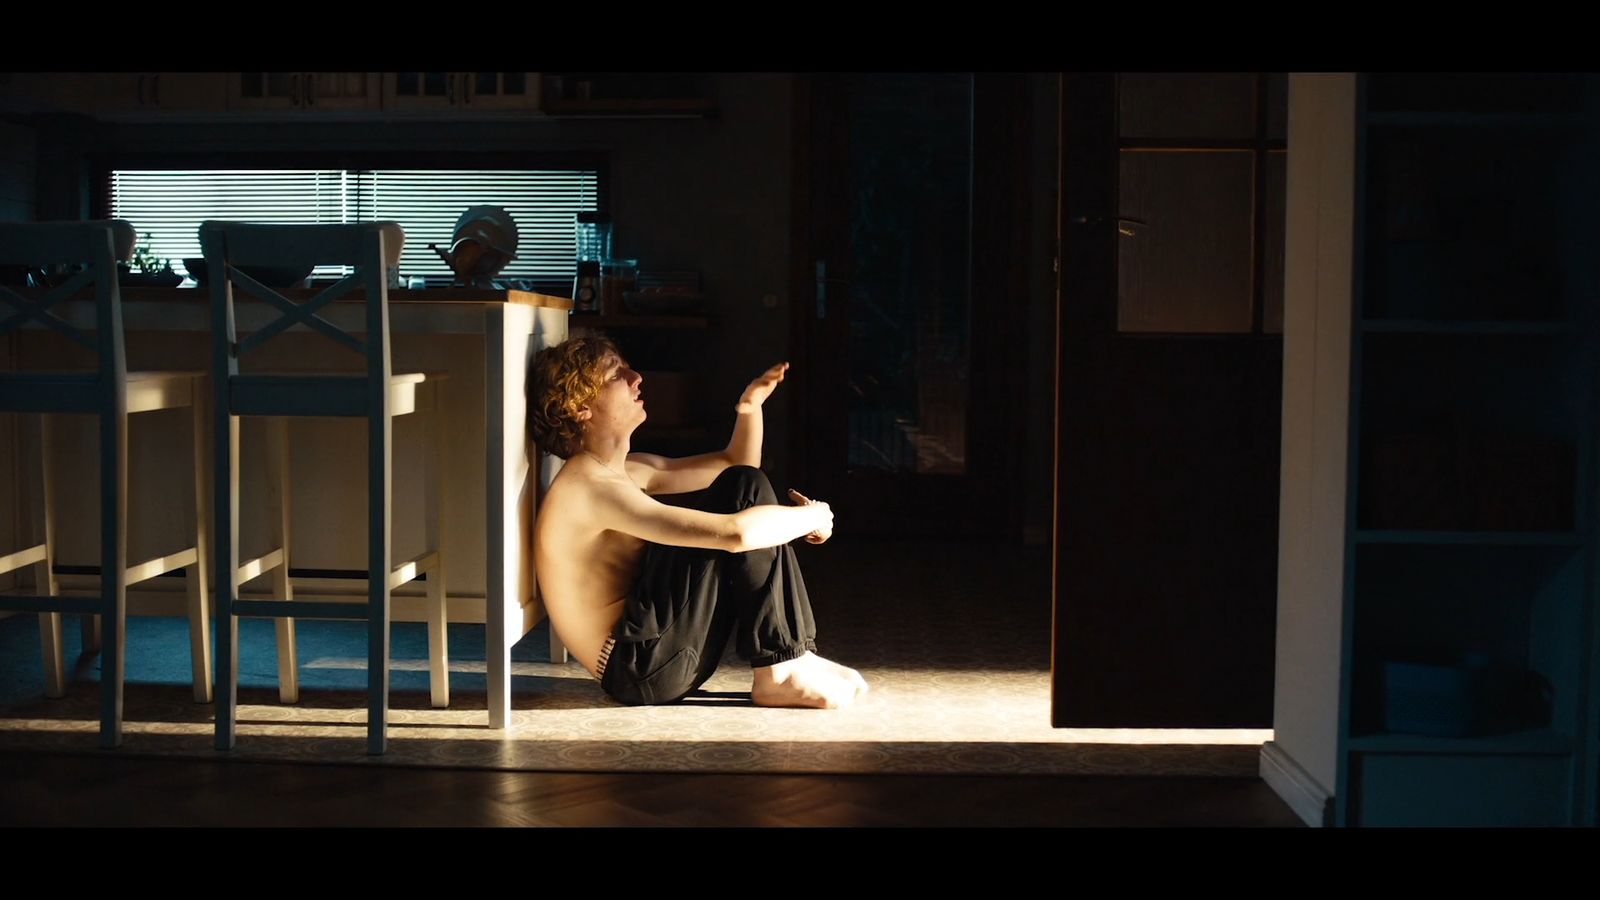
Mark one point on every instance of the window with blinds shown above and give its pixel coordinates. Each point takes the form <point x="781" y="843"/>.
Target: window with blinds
<point x="169" y="206"/>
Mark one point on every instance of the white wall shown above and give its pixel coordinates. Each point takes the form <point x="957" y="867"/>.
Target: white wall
<point x="1302" y="763"/>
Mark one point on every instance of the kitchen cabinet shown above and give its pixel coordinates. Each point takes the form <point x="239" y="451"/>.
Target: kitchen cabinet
<point x="304" y="91"/>
<point x="626" y="95"/>
<point x="461" y="92"/>
<point x="153" y="96"/>
<point x="115" y="95"/>
<point x="483" y="338"/>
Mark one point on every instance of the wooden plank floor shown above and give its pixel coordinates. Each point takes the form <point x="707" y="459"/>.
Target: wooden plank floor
<point x="106" y="790"/>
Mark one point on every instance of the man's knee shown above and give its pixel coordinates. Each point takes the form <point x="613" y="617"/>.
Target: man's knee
<point x="749" y="484"/>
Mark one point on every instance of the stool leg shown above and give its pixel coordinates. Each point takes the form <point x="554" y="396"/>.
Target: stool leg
<point x="279" y="535"/>
<point x="113" y="569"/>
<point x="433" y="517"/>
<point x="195" y="576"/>
<point x="225" y="461"/>
<point x="52" y="639"/>
<point x="379" y="486"/>
<point x="89" y="627"/>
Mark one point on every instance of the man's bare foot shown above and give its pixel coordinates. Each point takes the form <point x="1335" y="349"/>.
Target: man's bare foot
<point x="807" y="681"/>
<point x="850" y="675"/>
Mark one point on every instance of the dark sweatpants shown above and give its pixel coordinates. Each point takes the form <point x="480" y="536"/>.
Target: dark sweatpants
<point x="676" y="621"/>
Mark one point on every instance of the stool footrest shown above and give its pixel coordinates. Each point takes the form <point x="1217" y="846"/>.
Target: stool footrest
<point x="13" y="561"/>
<point x="160" y="565"/>
<point x="260" y="564"/>
<point x="411" y="568"/>
<point x="297" y="609"/>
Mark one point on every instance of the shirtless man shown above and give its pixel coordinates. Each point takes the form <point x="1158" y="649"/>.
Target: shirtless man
<point x="649" y="564"/>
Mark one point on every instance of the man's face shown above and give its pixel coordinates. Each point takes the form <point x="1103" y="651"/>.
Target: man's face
<point x="620" y="403"/>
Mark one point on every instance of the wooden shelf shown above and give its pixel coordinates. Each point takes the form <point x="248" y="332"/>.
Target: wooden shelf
<point x="1543" y="741"/>
<point x="679" y="108"/>
<point x="1479" y="538"/>
<point x="1464" y="326"/>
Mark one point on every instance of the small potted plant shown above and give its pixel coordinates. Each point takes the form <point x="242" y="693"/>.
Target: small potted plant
<point x="147" y="269"/>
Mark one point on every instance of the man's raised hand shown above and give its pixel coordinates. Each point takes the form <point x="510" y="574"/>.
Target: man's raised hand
<point x="757" y="392"/>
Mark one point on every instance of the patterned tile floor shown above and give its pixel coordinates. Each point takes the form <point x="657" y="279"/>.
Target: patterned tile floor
<point x="955" y="645"/>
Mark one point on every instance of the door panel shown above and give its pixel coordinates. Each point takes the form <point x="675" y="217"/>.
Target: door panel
<point x="1167" y="431"/>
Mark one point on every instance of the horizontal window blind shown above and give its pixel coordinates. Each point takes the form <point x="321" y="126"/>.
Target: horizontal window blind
<point x="169" y="206"/>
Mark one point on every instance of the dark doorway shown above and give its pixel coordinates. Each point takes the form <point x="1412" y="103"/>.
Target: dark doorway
<point x="1169" y="388"/>
<point x="911" y="301"/>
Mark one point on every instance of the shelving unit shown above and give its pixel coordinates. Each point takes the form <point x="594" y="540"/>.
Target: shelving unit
<point x="672" y="345"/>
<point x="625" y="320"/>
<point x="1471" y="514"/>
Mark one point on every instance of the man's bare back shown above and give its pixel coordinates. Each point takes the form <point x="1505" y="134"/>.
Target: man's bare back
<point x="585" y="571"/>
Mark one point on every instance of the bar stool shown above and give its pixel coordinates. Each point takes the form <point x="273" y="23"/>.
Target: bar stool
<point x="111" y="394"/>
<point x="377" y="395"/>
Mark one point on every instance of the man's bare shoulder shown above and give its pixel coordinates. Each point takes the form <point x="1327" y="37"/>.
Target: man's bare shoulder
<point x="578" y="498"/>
<point x="586" y="501"/>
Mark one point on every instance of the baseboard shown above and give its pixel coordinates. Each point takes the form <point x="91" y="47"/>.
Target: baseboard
<point x="1291" y="782"/>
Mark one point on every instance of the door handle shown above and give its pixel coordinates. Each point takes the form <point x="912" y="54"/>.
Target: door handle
<point x="1125" y="225"/>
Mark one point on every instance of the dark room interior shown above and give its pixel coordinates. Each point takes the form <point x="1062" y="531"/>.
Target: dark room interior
<point x="1205" y="449"/>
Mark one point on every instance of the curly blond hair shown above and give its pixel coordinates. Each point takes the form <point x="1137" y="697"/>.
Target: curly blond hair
<point x="561" y="382"/>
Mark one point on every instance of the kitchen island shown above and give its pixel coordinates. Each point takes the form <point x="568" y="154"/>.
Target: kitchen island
<point x="482" y="338"/>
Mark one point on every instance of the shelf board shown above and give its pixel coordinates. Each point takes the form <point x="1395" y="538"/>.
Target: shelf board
<point x="1467" y="538"/>
<point x="1478" y="120"/>
<point x="628" y="320"/>
<point x="681" y="108"/>
<point x="1458" y="326"/>
<point x="1542" y="741"/>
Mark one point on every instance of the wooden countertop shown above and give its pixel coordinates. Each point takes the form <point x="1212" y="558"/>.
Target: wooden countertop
<point x="396" y="295"/>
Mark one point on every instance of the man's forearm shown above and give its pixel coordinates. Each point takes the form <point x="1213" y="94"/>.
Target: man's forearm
<point x="744" y="448"/>
<point x="758" y="527"/>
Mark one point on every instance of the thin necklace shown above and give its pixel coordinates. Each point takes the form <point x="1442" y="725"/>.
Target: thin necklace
<point x="607" y="468"/>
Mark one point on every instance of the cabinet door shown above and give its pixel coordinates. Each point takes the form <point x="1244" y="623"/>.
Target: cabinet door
<point x="183" y="91"/>
<point x="460" y="92"/>
<point x="342" y="90"/>
<point x="419" y="91"/>
<point x="499" y="90"/>
<point x="266" y="90"/>
<point x="312" y="91"/>
<point x="82" y="92"/>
